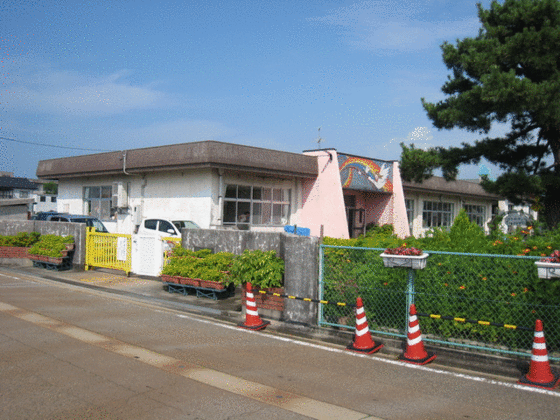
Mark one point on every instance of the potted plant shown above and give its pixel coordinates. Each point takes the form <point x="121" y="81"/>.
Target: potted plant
<point x="549" y="267"/>
<point x="265" y="271"/>
<point x="404" y="257"/>
<point x="17" y="246"/>
<point x="51" y="249"/>
<point x="198" y="268"/>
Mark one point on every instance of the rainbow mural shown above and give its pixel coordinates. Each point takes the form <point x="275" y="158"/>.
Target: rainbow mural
<point x="365" y="174"/>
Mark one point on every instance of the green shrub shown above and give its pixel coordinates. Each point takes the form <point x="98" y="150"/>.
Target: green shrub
<point x="200" y="264"/>
<point x="51" y="245"/>
<point x="260" y="268"/>
<point x="22" y="239"/>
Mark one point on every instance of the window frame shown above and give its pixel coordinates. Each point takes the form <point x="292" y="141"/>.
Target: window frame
<point x="475" y="216"/>
<point x="441" y="214"/>
<point x="268" y="206"/>
<point x="98" y="201"/>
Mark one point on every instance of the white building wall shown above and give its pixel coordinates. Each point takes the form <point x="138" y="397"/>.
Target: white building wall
<point x="177" y="195"/>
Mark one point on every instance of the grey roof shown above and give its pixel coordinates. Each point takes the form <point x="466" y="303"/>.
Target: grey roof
<point x="438" y="184"/>
<point x="17" y="183"/>
<point x="212" y="154"/>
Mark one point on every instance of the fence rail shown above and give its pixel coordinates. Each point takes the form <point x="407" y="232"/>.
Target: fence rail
<point x="498" y="291"/>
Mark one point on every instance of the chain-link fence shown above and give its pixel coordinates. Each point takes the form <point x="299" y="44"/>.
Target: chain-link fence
<point x="478" y="301"/>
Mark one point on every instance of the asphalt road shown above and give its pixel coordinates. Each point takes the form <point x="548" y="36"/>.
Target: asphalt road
<point x="67" y="352"/>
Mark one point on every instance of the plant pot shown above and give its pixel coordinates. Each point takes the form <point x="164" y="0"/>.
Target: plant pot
<point x="416" y="262"/>
<point x="70" y="247"/>
<point x="548" y="270"/>
<point x="209" y="284"/>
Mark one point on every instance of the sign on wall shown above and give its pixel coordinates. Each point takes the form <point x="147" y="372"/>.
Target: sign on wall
<point x="363" y="174"/>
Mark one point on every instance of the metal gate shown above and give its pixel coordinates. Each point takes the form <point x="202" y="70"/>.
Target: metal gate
<point x="108" y="250"/>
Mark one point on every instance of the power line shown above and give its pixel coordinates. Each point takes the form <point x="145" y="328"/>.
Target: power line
<point x="51" y="145"/>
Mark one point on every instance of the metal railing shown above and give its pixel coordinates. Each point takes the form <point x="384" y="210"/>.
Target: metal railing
<point x="108" y="250"/>
<point x="485" y="302"/>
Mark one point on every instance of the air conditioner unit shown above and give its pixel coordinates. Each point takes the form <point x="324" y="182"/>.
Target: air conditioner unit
<point x="120" y="195"/>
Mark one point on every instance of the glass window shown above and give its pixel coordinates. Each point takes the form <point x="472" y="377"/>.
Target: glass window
<point x="246" y="206"/>
<point x="165" y="226"/>
<point x="42" y="199"/>
<point x="437" y="214"/>
<point x="409" y="212"/>
<point x="476" y="214"/>
<point x="97" y="201"/>
<point x="53" y="199"/>
<point x="150" y="224"/>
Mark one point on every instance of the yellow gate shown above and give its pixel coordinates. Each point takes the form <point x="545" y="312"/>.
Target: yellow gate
<point x="108" y="250"/>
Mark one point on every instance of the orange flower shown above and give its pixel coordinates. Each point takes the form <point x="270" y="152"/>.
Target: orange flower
<point x="385" y="284"/>
<point x="449" y="272"/>
<point x="535" y="247"/>
<point x="526" y="250"/>
<point x="525" y="290"/>
<point x="515" y="238"/>
<point x="513" y="294"/>
<point x="484" y="278"/>
<point x="543" y="255"/>
<point x="462" y="287"/>
<point x="445" y="284"/>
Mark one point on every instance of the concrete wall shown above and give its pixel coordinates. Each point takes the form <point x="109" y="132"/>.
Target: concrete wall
<point x="77" y="230"/>
<point x="300" y="254"/>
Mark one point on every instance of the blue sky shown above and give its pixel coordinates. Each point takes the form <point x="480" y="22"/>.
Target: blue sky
<point x="109" y="75"/>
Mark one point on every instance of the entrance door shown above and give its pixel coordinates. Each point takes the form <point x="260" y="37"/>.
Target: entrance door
<point x="355" y="217"/>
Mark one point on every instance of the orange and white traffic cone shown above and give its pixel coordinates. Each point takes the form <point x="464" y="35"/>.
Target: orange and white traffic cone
<point x="415" y="351"/>
<point x="539" y="374"/>
<point x="252" y="319"/>
<point x="362" y="338"/>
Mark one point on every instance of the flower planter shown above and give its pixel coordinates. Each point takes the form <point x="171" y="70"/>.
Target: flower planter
<point x="13" y="252"/>
<point x="548" y="270"/>
<point x="186" y="281"/>
<point x="416" y="262"/>
<point x="268" y="300"/>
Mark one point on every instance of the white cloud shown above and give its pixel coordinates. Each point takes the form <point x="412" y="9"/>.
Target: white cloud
<point x="62" y="92"/>
<point x="390" y="26"/>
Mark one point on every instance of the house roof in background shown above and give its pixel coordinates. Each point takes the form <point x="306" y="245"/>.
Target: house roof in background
<point x="438" y="185"/>
<point x="209" y="153"/>
<point x="17" y="183"/>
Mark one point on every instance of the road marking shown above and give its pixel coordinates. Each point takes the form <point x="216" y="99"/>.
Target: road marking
<point x="263" y="393"/>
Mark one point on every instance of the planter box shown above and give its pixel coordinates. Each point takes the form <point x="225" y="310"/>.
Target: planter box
<point x="416" y="262"/>
<point x="548" y="270"/>
<point x="267" y="301"/>
<point x="207" y="284"/>
<point x="13" y="252"/>
<point x="43" y="258"/>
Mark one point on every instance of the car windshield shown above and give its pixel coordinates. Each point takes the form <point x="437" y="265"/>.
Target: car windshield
<point x="99" y="227"/>
<point x="187" y="224"/>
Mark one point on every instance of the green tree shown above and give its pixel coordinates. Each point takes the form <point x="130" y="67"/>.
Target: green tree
<point x="50" y="187"/>
<point x="508" y="74"/>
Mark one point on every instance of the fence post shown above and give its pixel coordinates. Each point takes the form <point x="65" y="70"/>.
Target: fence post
<point x="321" y="262"/>
<point x="409" y="296"/>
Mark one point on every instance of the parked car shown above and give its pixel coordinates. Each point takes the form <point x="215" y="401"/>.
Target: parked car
<point x="165" y="228"/>
<point x="43" y="215"/>
<point x="90" y="221"/>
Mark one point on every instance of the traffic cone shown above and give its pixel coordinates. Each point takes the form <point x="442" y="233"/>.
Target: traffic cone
<point x="539" y="374"/>
<point x="415" y="352"/>
<point x="252" y="319"/>
<point x="362" y="338"/>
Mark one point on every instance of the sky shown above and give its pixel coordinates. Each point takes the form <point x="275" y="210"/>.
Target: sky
<point x="84" y="77"/>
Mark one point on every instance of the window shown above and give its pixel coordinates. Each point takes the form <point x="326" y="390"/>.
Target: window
<point x="42" y="199"/>
<point x="53" y="199"/>
<point x="24" y="194"/>
<point x="437" y="214"/>
<point x="477" y="214"/>
<point x="97" y="201"/>
<point x="409" y="212"/>
<point x="261" y="206"/>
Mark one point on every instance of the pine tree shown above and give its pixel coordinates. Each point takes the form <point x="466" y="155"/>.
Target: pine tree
<point x="509" y="74"/>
